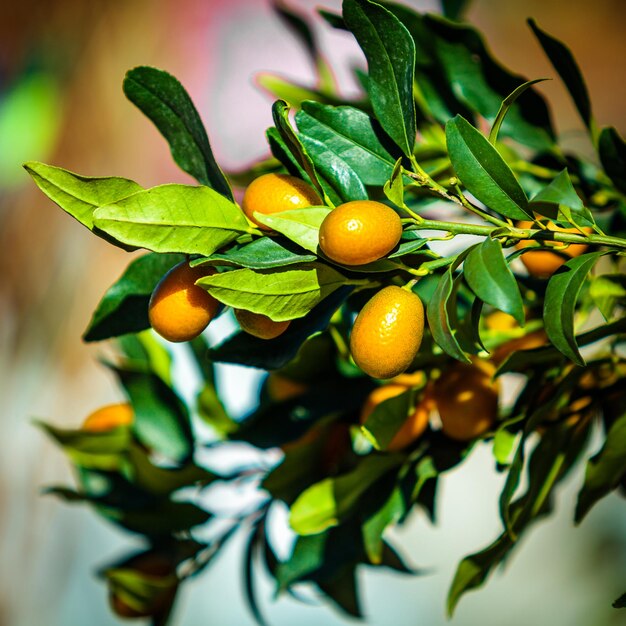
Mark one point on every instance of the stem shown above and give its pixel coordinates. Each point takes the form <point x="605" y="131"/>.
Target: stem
<point x="457" y="228"/>
<point x="474" y="209"/>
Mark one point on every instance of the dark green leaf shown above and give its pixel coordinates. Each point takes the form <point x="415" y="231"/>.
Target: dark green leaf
<point x="439" y="313"/>
<point x="173" y="218"/>
<point x="506" y="105"/>
<point x="567" y="68"/>
<point x="454" y="9"/>
<point x="124" y="307"/>
<point x="481" y="83"/>
<point x="387" y="418"/>
<point x="483" y="171"/>
<point x="291" y="141"/>
<point x="612" y="151"/>
<point x="411" y="242"/>
<point x="560" y="304"/>
<point x="252" y="546"/>
<point x="390" y="52"/>
<point x="161" y="419"/>
<point x="604" y="470"/>
<point x="490" y="278"/>
<point x="164" y="100"/>
<point x="262" y="253"/>
<point x="352" y="135"/>
<point x="620" y="603"/>
<point x="343" y="591"/>
<point x="272" y="354"/>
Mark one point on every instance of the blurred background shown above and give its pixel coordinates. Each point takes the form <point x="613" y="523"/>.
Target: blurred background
<point x="61" y="67"/>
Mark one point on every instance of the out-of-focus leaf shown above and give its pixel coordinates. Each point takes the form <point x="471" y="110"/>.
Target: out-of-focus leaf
<point x="390" y="54"/>
<point x="483" y="171"/>
<point x="560" y="303"/>
<point x="612" y="151"/>
<point x="124" y="307"/>
<point x="606" y="291"/>
<point x="343" y="591"/>
<point x="567" y="68"/>
<point x="164" y="100"/>
<point x="604" y="470"/>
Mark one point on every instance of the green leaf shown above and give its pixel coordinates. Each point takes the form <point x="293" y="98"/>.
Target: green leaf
<point x="79" y="196"/>
<point x="345" y="180"/>
<point x="606" y="291"/>
<point x="491" y="279"/>
<point x="441" y="308"/>
<point x="103" y="451"/>
<point x="343" y="591"/>
<point x="605" y="470"/>
<point x="480" y="83"/>
<point x="483" y="171"/>
<point x="387" y="418"/>
<point x="390" y="52"/>
<point x="260" y="254"/>
<point x="280" y="294"/>
<point x="330" y="501"/>
<point x="560" y="304"/>
<point x="454" y="9"/>
<point x="503" y="445"/>
<point x="410" y="242"/>
<point x="164" y="100"/>
<point x="161" y="419"/>
<point x="506" y="105"/>
<point x="564" y="63"/>
<point x="272" y="354"/>
<point x="394" y="187"/>
<point x="612" y="151"/>
<point x="291" y="141"/>
<point x="299" y="225"/>
<point x="559" y="200"/>
<point x="252" y="547"/>
<point x="620" y="603"/>
<point x="352" y="135"/>
<point x="124" y="307"/>
<point x="173" y="218"/>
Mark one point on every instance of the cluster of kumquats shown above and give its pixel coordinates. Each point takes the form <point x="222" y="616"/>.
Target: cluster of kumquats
<point x="388" y="331"/>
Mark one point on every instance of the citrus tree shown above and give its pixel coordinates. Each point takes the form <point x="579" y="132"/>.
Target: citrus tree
<point x="385" y="354"/>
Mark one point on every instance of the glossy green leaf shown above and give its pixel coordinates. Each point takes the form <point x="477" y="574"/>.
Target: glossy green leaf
<point x="280" y="294"/>
<point x="78" y="195"/>
<point x="506" y="105"/>
<point x="410" y="243"/>
<point x="439" y="312"/>
<point x="394" y="187"/>
<point x="161" y="421"/>
<point x="483" y="171"/>
<point x="280" y="114"/>
<point x="560" y="304"/>
<point x="260" y="254"/>
<point x="345" y="181"/>
<point x="272" y="354"/>
<point x="491" y="279"/>
<point x="299" y="225"/>
<point x="605" y="470"/>
<point x="390" y="54"/>
<point x="612" y="151"/>
<point x="124" y="307"/>
<point x="328" y="502"/>
<point x="559" y="200"/>
<point x="173" y="218"/>
<point x="352" y="135"/>
<point x="164" y="100"/>
<point x="564" y="63"/>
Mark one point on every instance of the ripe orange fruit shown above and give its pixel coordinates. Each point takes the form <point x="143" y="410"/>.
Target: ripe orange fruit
<point x="280" y="388"/>
<point x="543" y="263"/>
<point x="360" y="232"/>
<point x="274" y="193"/>
<point x="415" y="423"/>
<point x="260" y="325"/>
<point x="109" y="417"/>
<point x="388" y="332"/>
<point x="535" y="339"/>
<point x="179" y="310"/>
<point x="500" y="321"/>
<point x="467" y="400"/>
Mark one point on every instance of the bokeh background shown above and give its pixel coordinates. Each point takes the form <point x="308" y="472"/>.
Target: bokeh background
<point x="61" y="67"/>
